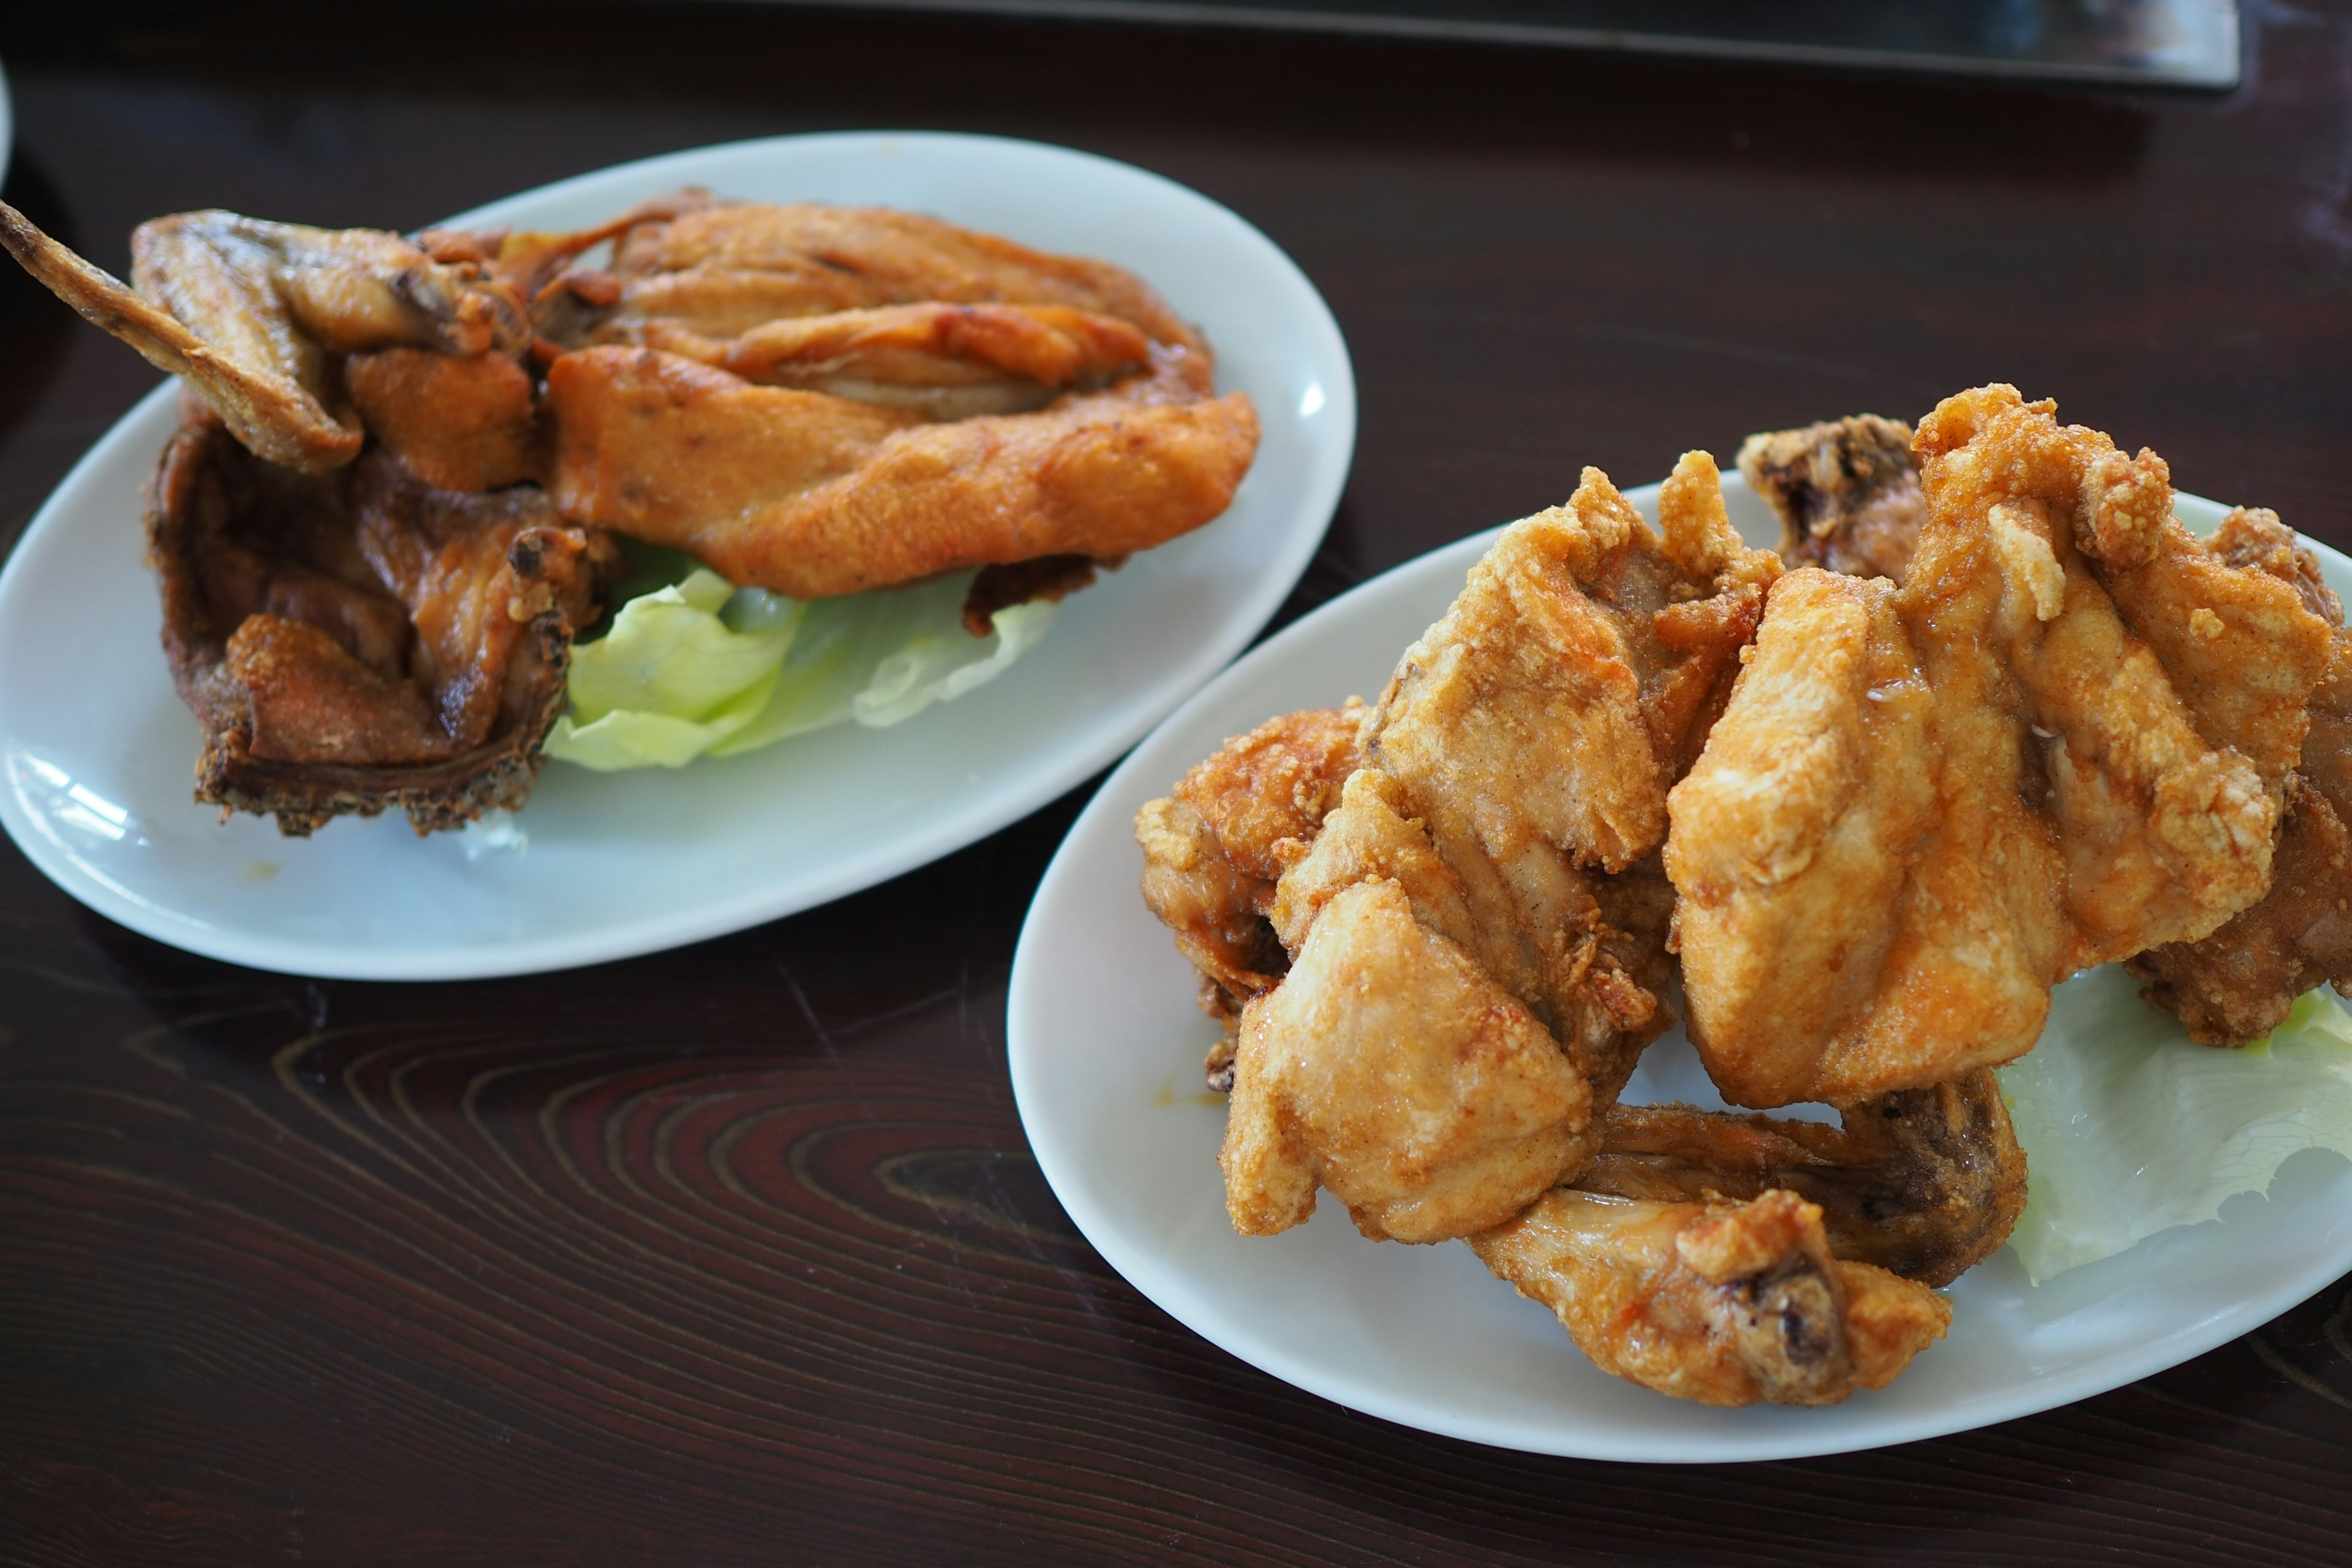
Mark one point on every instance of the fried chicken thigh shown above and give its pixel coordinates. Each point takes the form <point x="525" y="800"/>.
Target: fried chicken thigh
<point x="1494" y="863"/>
<point x="1936" y="802"/>
<point x="1720" y="1302"/>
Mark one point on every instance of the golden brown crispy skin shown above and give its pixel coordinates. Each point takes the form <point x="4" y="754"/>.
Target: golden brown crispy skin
<point x="1724" y="1303"/>
<point x="946" y="362"/>
<point x="459" y="423"/>
<point x="813" y="496"/>
<point x="361" y="641"/>
<point x="1390" y="1067"/>
<point x="1925" y="1182"/>
<point x="1936" y="802"/>
<point x="2237" y="984"/>
<point x="1214" y="846"/>
<point x="250" y="313"/>
<point x="1846" y="492"/>
<point x="892" y="258"/>
<point x="1496" y="858"/>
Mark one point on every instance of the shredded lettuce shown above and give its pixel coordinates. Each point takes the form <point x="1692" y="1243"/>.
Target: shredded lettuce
<point x="694" y="667"/>
<point x="2130" y="1128"/>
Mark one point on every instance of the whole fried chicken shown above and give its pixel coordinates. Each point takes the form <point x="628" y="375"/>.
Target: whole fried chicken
<point x="1481" y="916"/>
<point x="1725" y="1303"/>
<point x="1936" y="802"/>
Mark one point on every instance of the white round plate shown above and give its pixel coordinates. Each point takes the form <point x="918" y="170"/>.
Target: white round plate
<point x="97" y="751"/>
<point x="1106" y="1047"/>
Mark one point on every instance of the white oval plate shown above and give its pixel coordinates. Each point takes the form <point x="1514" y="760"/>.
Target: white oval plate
<point x="97" y="752"/>
<point x="1106" y="1047"/>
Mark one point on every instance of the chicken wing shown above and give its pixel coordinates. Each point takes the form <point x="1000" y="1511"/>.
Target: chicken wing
<point x="1925" y="1182"/>
<point x="1938" y="801"/>
<point x="1846" y="492"/>
<point x="1509" y="810"/>
<point x="251" y="314"/>
<point x="1723" y="1303"/>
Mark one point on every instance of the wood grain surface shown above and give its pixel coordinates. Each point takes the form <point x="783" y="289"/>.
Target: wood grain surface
<point x="736" y="1255"/>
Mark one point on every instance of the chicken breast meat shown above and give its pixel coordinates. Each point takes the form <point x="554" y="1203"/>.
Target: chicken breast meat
<point x="1938" y="801"/>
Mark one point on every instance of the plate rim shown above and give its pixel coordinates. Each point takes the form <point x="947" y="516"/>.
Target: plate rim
<point x="1331" y="460"/>
<point x="1027" y="994"/>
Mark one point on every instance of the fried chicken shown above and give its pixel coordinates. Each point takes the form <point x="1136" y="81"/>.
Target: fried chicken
<point x="2237" y="984"/>
<point x="812" y="495"/>
<point x="252" y="314"/>
<point x="1495" y="859"/>
<point x="360" y="640"/>
<point x="1724" y="1303"/>
<point x="1926" y="1183"/>
<point x="1846" y="492"/>
<point x="1214" y="847"/>
<point x="1936" y="802"/>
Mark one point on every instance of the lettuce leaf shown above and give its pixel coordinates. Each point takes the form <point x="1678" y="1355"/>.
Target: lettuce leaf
<point x="694" y="667"/>
<point x="2130" y="1128"/>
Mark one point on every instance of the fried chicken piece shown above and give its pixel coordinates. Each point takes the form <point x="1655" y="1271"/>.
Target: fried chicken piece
<point x="459" y="423"/>
<point x="890" y="258"/>
<point x="1496" y="855"/>
<point x="1925" y="1182"/>
<point x="1846" y="492"/>
<point x="945" y="361"/>
<point x="1936" y="802"/>
<point x="358" y="641"/>
<point x="1390" y="1067"/>
<point x="2237" y="984"/>
<point x="1215" y="846"/>
<point x="814" y="496"/>
<point x="1723" y="1303"/>
<point x="251" y="314"/>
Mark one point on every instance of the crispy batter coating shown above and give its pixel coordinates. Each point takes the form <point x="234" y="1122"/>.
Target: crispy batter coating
<point x="2237" y="984"/>
<point x="1724" y="1303"/>
<point x="361" y="641"/>
<point x="1215" y="846"/>
<point x="1846" y="492"/>
<point x="1390" y="1067"/>
<point x="1502" y="828"/>
<point x="1938" y="801"/>
<point x="1925" y="1182"/>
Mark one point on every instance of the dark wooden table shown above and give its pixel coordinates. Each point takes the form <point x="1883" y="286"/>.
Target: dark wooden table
<point x="736" y="1255"/>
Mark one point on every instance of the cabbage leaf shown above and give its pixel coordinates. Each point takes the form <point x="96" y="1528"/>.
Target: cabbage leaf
<point x="2130" y="1128"/>
<point x="694" y="667"/>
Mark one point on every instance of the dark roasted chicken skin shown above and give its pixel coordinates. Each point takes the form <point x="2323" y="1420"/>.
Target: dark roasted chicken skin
<point x="361" y="641"/>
